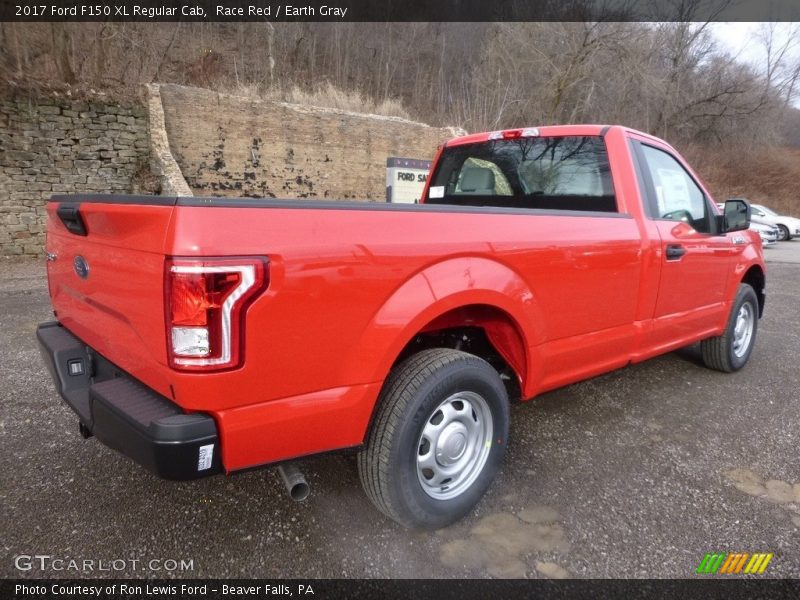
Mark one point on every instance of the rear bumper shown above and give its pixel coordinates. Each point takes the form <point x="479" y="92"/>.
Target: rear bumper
<point x="125" y="414"/>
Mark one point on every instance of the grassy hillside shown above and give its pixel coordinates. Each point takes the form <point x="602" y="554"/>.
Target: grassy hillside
<point x="766" y="175"/>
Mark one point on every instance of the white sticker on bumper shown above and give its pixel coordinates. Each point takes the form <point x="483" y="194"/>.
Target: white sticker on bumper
<point x="204" y="459"/>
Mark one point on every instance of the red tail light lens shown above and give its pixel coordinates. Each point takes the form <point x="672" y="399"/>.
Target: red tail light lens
<point x="206" y="300"/>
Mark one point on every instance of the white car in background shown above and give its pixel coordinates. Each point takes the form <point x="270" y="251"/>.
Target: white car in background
<point x="787" y="226"/>
<point x="769" y="233"/>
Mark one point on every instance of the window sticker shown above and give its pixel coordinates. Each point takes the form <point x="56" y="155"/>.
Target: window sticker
<point x="436" y="191"/>
<point x="675" y="191"/>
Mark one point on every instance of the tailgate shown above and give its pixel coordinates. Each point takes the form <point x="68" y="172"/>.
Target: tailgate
<point x="106" y="277"/>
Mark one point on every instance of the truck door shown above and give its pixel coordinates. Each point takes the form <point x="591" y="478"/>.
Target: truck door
<point x="695" y="261"/>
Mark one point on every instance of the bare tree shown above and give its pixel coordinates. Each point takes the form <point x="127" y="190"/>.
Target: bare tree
<point x="782" y="61"/>
<point x="62" y="51"/>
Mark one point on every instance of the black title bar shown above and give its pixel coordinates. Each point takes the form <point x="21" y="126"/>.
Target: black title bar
<point x="399" y="10"/>
<point x="734" y="588"/>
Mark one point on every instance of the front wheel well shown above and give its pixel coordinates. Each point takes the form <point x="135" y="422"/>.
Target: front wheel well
<point x="756" y="280"/>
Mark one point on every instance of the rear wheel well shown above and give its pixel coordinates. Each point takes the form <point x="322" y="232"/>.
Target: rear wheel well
<point x="465" y="329"/>
<point x="756" y="280"/>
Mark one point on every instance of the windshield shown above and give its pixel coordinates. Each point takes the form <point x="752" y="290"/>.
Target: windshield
<point x="560" y="173"/>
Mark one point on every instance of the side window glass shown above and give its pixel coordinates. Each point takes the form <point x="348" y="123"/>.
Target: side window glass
<point x="678" y="197"/>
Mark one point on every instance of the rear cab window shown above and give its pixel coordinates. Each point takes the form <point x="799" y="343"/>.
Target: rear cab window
<point x="554" y="173"/>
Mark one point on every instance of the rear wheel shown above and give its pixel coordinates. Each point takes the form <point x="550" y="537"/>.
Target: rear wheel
<point x="438" y="439"/>
<point x="730" y="351"/>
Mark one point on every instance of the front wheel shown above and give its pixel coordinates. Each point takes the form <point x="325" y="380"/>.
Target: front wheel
<point x="783" y="233"/>
<point x="730" y="351"/>
<point x="438" y="438"/>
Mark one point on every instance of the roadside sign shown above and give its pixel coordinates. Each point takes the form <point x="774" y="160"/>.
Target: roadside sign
<point x="405" y="179"/>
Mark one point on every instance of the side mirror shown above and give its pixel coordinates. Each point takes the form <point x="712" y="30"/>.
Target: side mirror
<point x="735" y="217"/>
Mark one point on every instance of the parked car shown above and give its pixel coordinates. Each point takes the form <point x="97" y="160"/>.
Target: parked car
<point x="788" y="226"/>
<point x="769" y="233"/>
<point x="211" y="335"/>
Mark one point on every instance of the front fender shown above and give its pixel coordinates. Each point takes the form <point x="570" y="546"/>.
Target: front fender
<point x="751" y="255"/>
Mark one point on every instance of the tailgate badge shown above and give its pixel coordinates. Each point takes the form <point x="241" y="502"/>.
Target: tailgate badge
<point x="51" y="256"/>
<point x="81" y="267"/>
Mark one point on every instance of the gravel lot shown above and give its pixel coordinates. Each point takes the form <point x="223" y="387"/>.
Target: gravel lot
<point x="637" y="473"/>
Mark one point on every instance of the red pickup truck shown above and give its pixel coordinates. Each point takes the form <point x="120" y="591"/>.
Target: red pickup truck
<point x="207" y="335"/>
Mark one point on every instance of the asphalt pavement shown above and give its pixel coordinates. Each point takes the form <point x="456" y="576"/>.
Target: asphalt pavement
<point x="637" y="473"/>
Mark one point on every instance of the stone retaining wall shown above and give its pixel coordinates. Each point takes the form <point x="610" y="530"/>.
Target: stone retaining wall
<point x="51" y="146"/>
<point x="233" y="146"/>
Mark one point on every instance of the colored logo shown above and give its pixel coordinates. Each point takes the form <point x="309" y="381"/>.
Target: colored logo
<point x="734" y="563"/>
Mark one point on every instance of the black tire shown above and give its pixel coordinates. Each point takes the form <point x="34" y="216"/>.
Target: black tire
<point x="721" y="352"/>
<point x="411" y="400"/>
<point x="784" y="235"/>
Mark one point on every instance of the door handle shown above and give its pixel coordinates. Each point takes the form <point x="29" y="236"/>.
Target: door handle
<point x="675" y="251"/>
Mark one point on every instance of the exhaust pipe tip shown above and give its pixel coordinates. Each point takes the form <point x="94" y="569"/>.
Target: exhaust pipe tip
<point x="300" y="491"/>
<point x="295" y="482"/>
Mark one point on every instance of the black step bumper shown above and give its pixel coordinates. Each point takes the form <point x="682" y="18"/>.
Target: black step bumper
<point x="125" y="414"/>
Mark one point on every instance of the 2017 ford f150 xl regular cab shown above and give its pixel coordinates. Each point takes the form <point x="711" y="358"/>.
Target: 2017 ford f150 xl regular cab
<point x="207" y="335"/>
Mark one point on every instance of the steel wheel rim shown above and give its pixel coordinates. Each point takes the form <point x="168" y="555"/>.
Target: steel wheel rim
<point x="454" y="445"/>
<point x="743" y="330"/>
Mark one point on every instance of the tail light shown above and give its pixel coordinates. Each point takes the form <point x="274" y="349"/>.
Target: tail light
<point x="205" y="306"/>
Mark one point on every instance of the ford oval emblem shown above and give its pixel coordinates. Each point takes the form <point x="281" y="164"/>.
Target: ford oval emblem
<point x="81" y="267"/>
